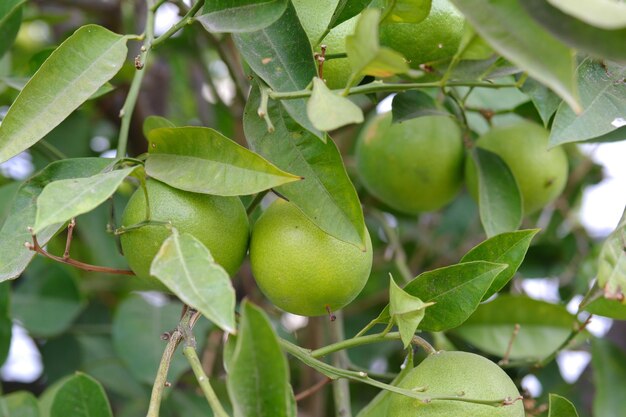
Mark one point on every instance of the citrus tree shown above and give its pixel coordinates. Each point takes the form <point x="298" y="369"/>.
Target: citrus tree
<point x="214" y="214"/>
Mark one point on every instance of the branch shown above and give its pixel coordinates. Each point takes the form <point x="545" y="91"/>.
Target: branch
<point x="184" y="21"/>
<point x="203" y="381"/>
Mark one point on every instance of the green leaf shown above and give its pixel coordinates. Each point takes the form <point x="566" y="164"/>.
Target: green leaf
<point x="14" y="256"/>
<point x="19" y="404"/>
<point x="6" y="322"/>
<point x="185" y="266"/>
<point x="75" y="70"/>
<point x="202" y="160"/>
<point x="258" y="377"/>
<point x="281" y="55"/>
<point x="499" y="198"/>
<point x="543" y="327"/>
<point x="605" y="14"/>
<point x="78" y="395"/>
<point x="561" y="407"/>
<point x="63" y="199"/>
<point x="506" y="248"/>
<point x="607" y="308"/>
<point x="136" y="328"/>
<point x="48" y="300"/>
<point x="412" y="104"/>
<point x="346" y="10"/>
<point x="366" y="55"/>
<point x="609" y="374"/>
<point x="155" y="122"/>
<point x="237" y="16"/>
<point x="612" y="263"/>
<point x="516" y="36"/>
<point x="406" y="310"/>
<point x="408" y="11"/>
<point x="545" y="101"/>
<point x="326" y="195"/>
<point x="603" y="96"/>
<point x="330" y="111"/>
<point x="10" y="22"/>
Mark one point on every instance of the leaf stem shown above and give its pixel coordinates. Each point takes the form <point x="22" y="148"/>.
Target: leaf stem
<point x="255" y="202"/>
<point x="187" y="19"/>
<point x="368" y="340"/>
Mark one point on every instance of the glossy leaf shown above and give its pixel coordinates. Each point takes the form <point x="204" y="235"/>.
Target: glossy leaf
<point x="6" y="323"/>
<point x="281" y="55"/>
<point x="329" y="111"/>
<point x="561" y="407"/>
<point x="603" y="96"/>
<point x="609" y="374"/>
<point x="10" y="22"/>
<point x="240" y="15"/>
<point x="412" y="104"/>
<point x="506" y="248"/>
<point x="155" y="122"/>
<point x="545" y="101"/>
<point x="63" y="199"/>
<point x="516" y="36"/>
<point x="543" y="327"/>
<point x="78" y="395"/>
<point x="601" y="13"/>
<point x="258" y="377"/>
<point x="75" y="70"/>
<point x="19" y="404"/>
<point x="406" y="310"/>
<point x="326" y="195"/>
<point x="409" y="11"/>
<point x="185" y="266"/>
<point x="612" y="263"/>
<point x="346" y="10"/>
<point x="499" y="198"/>
<point x="202" y="160"/>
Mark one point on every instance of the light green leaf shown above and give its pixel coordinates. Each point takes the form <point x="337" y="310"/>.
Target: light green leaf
<point x="612" y="263"/>
<point x="14" y="256"/>
<point x="186" y="267"/>
<point x="326" y="195"/>
<point x="78" y="395"/>
<point x="330" y="111"/>
<point x="609" y="374"/>
<point x="543" y="327"/>
<point x="75" y="70"/>
<point x="603" y="96"/>
<point x="406" y="310"/>
<point x="409" y="11"/>
<point x="561" y="407"/>
<point x="202" y="160"/>
<point x="63" y="199"/>
<point x="240" y="15"/>
<point x="10" y="22"/>
<point x="506" y="248"/>
<point x="499" y="198"/>
<point x="607" y="308"/>
<point x="516" y="36"/>
<point x="19" y="404"/>
<point x="606" y="14"/>
<point x="155" y="122"/>
<point x="258" y="377"/>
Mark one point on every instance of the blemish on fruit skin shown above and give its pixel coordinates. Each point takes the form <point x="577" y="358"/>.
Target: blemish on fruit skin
<point x="549" y="182"/>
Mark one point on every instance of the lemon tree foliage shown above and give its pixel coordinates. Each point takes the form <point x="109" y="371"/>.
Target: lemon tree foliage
<point x="239" y="210"/>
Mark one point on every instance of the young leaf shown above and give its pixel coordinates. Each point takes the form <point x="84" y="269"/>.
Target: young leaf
<point x="75" y="70"/>
<point x="543" y="327"/>
<point x="414" y="104"/>
<point x="329" y="111"/>
<point x="408" y="11"/>
<point x="609" y="374"/>
<point x="19" y="404"/>
<point x="202" y="160"/>
<point x="63" y="199"/>
<point x="240" y="15"/>
<point x="507" y="248"/>
<point x="612" y="263"/>
<point x="516" y="36"/>
<point x="326" y="195"/>
<point x="78" y="395"/>
<point x="258" y="377"/>
<point x="561" y="407"/>
<point x="603" y="96"/>
<point x="10" y="22"/>
<point x="499" y="201"/>
<point x="346" y="10"/>
<point x="600" y="13"/>
<point x="155" y="122"/>
<point x="186" y="267"/>
<point x="14" y="256"/>
<point x="406" y="310"/>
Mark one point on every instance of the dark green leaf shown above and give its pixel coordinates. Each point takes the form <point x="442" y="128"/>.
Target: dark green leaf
<point x="561" y="407"/>
<point x="78" y="396"/>
<point x="19" y="404"/>
<point x="14" y="257"/>
<point x="326" y="195"/>
<point x="406" y="310"/>
<point x="600" y="13"/>
<point x="185" y="266"/>
<point x="155" y="122"/>
<point x="281" y="55"/>
<point x="414" y="104"/>
<point x="609" y="374"/>
<point x="612" y="263"/>
<point x="240" y="15"/>
<point x="516" y="36"/>
<point x="75" y="70"/>
<point x="6" y="323"/>
<point x="408" y="11"/>
<point x="346" y="10"/>
<point x="258" y="379"/>
<point x="507" y="248"/>
<point x="202" y="160"/>
<point x="545" y="101"/>
<point x="543" y="327"/>
<point x="329" y="111"/>
<point x="10" y="22"/>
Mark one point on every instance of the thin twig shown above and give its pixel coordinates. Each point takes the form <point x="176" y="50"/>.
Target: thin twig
<point x="312" y="389"/>
<point x="505" y="359"/>
<point x="203" y="381"/>
<point x="184" y="21"/>
<point x="68" y="240"/>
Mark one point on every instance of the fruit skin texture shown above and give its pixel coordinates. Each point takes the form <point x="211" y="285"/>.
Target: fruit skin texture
<point x="413" y="166"/>
<point x="541" y="174"/>
<point x="220" y="223"/>
<point x="449" y="373"/>
<point x="433" y="39"/>
<point x="302" y="269"/>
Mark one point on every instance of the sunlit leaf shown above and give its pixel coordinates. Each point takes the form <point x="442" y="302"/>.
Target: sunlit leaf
<point x="330" y="111"/>
<point x="605" y="14"/>
<point x="612" y="263"/>
<point x="240" y="15"/>
<point x="406" y="310"/>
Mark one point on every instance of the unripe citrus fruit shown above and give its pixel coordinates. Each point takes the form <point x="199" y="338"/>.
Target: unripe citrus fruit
<point x="220" y="223"/>
<point x="451" y="374"/>
<point x="540" y="173"/>
<point x="435" y="38"/>
<point x="413" y="166"/>
<point x="302" y="269"/>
